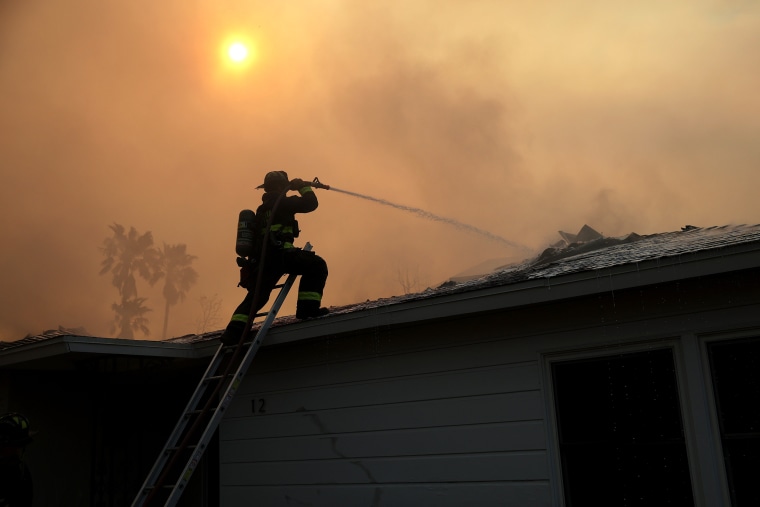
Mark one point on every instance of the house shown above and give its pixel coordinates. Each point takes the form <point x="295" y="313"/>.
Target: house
<point x="610" y="371"/>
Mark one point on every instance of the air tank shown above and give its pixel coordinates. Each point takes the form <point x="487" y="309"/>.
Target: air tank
<point x="245" y="244"/>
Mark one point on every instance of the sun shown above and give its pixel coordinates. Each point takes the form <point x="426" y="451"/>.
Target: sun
<point x="237" y="52"/>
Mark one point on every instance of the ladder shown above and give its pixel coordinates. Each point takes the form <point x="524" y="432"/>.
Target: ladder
<point x="183" y="451"/>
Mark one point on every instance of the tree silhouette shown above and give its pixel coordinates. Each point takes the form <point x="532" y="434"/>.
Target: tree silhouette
<point x="130" y="317"/>
<point x="408" y="279"/>
<point x="174" y="266"/>
<point x="127" y="254"/>
<point x="210" y="313"/>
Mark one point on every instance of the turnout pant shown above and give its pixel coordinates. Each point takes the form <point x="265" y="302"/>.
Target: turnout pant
<point x="313" y="271"/>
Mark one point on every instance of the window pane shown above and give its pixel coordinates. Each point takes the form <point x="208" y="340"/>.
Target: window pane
<point x="735" y="368"/>
<point x="620" y="429"/>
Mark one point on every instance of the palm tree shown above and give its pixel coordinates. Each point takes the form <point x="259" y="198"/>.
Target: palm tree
<point x="130" y="317"/>
<point x="127" y="254"/>
<point x="174" y="266"/>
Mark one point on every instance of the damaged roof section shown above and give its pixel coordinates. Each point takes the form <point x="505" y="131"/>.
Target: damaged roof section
<point x="586" y="240"/>
<point x="585" y="235"/>
<point x="602" y="252"/>
<point x="589" y="250"/>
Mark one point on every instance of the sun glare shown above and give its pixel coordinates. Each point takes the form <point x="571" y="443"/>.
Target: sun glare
<point x="237" y="52"/>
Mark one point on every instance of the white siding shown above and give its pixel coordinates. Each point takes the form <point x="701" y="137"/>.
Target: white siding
<point x="450" y="426"/>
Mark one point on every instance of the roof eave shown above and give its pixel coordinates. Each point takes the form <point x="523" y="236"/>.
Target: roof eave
<point x="70" y="344"/>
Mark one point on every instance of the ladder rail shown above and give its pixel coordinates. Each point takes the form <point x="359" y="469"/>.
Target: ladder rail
<point x="180" y="427"/>
<point x="229" y="394"/>
<point x="170" y="451"/>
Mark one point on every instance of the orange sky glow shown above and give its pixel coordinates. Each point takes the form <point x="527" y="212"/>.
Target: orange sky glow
<point x="518" y="118"/>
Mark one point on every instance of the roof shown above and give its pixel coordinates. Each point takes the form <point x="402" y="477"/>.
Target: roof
<point x="580" y="267"/>
<point x="570" y="268"/>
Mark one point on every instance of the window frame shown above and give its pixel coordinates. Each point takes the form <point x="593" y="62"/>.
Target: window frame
<point x="549" y="358"/>
<point x="704" y="341"/>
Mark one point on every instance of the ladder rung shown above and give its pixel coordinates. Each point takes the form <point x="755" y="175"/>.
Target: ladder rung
<point x="172" y="486"/>
<point x="192" y="413"/>
<point x="175" y="449"/>
<point x="217" y="377"/>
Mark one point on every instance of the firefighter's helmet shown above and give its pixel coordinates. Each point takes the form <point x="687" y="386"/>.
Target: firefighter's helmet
<point x="274" y="181"/>
<point x="14" y="430"/>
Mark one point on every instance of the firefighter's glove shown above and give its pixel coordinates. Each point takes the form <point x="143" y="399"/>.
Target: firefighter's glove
<point x="246" y="275"/>
<point x="297" y="184"/>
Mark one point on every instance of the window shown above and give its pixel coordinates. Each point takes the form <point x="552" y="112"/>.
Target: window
<point x="621" y="439"/>
<point x="735" y="367"/>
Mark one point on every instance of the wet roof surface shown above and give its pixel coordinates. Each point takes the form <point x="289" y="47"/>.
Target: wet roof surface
<point x="598" y="253"/>
<point x="602" y="253"/>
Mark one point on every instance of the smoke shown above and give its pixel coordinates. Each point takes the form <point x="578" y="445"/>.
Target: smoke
<point x="518" y="118"/>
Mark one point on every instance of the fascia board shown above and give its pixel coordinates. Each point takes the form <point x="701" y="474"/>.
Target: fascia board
<point x="44" y="349"/>
<point x="115" y="346"/>
<point x="62" y="345"/>
<point x="530" y="292"/>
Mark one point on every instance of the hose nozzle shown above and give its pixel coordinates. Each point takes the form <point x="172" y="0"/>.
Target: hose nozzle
<point x="318" y="184"/>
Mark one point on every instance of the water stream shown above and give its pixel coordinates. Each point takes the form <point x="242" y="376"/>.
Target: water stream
<point x="431" y="216"/>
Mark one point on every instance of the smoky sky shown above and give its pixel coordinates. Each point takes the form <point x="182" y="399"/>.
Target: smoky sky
<point x="518" y="118"/>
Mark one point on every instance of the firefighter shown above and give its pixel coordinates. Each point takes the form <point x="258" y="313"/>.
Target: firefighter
<point x="281" y="256"/>
<point x="15" y="480"/>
